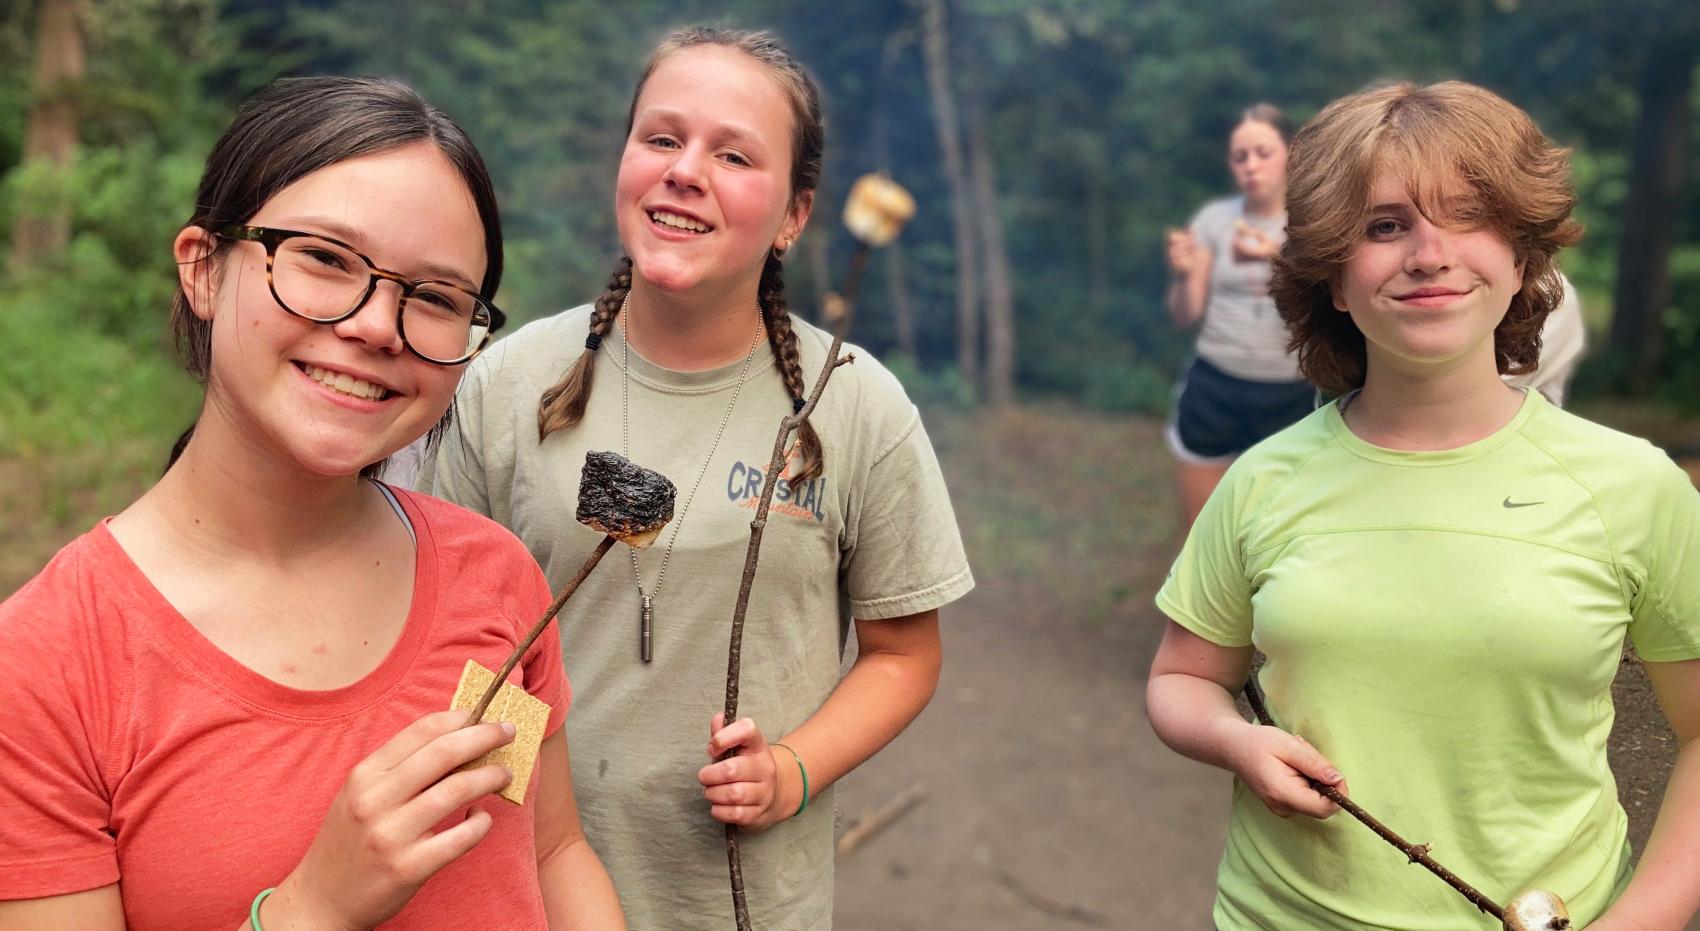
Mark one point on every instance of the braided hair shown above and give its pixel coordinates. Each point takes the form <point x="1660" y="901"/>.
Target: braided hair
<point x="786" y="355"/>
<point x="563" y="405"/>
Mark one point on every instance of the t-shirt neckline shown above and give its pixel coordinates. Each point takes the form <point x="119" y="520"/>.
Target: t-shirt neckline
<point x="1358" y="446"/>
<point x="202" y="658"/>
<point x="706" y="381"/>
<point x="1276" y="221"/>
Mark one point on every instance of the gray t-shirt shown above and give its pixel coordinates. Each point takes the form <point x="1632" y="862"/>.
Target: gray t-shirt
<point x="876" y="532"/>
<point x="1242" y="334"/>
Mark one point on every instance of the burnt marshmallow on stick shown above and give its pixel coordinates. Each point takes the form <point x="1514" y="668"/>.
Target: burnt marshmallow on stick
<point x="626" y="502"/>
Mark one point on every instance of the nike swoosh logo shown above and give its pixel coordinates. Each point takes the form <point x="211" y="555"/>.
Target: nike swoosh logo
<point x="1520" y="504"/>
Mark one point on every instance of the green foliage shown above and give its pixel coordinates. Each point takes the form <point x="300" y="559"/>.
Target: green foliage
<point x="71" y="389"/>
<point x="117" y="276"/>
<point x="942" y="388"/>
<point x="1132" y="388"/>
<point x="1107" y="122"/>
<point x="1681" y="386"/>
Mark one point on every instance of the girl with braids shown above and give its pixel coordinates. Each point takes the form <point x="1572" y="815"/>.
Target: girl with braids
<point x="1440" y="568"/>
<point x="225" y="706"/>
<point x="687" y="363"/>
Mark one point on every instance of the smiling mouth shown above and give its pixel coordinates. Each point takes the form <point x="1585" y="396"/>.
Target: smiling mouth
<point x="674" y="221"/>
<point x="345" y="383"/>
<point x="1430" y="297"/>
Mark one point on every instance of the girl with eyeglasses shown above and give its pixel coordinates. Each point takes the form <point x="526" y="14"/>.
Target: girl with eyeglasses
<point x="687" y="362"/>
<point x="1441" y="569"/>
<point x="225" y="704"/>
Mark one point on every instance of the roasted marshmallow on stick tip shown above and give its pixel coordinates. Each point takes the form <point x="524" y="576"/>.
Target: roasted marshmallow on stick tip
<point x="624" y="501"/>
<point x="877" y="209"/>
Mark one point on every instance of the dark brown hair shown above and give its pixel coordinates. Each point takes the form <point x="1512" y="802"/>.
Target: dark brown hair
<point x="1434" y="138"/>
<point x="294" y="127"/>
<point x="1271" y="116"/>
<point x="563" y="405"/>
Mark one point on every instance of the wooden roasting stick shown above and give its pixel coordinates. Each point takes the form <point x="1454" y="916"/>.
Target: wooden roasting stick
<point x="628" y="503"/>
<point x="1534" y="910"/>
<point x="875" y="213"/>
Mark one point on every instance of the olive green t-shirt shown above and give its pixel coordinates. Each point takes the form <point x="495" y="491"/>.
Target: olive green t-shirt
<point x="1444" y="626"/>
<point x="875" y="534"/>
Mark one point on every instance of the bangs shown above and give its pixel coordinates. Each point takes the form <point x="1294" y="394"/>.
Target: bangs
<point x="1428" y="170"/>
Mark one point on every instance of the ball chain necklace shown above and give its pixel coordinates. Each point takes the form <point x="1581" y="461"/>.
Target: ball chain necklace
<point x="646" y="600"/>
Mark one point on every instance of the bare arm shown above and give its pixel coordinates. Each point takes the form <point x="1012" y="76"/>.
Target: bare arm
<point x="577" y="893"/>
<point x="1190" y="700"/>
<point x="95" y="910"/>
<point x="893" y="678"/>
<point x="1189" y="279"/>
<point x="1662" y="895"/>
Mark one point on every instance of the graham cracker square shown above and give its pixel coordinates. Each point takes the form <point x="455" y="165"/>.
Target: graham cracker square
<point x="528" y="714"/>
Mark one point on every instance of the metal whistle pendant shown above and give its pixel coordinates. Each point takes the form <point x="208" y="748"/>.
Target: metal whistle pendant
<point x="646" y="629"/>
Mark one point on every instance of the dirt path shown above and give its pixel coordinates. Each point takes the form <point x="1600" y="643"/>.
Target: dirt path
<point x="1051" y="804"/>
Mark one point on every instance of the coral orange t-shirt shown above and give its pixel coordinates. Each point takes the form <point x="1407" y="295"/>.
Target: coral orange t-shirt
<point x="133" y="750"/>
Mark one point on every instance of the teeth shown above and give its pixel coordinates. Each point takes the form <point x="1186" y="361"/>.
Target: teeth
<point x="347" y="384"/>
<point x="674" y="220"/>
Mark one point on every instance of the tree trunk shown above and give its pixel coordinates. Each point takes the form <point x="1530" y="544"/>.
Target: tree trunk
<point x="1657" y="162"/>
<point x="936" y="48"/>
<point x="896" y="279"/>
<point x="902" y="307"/>
<point x="50" y="135"/>
<point x="994" y="256"/>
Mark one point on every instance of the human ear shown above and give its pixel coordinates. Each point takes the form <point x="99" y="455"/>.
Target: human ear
<point x="795" y="219"/>
<point x="193" y="249"/>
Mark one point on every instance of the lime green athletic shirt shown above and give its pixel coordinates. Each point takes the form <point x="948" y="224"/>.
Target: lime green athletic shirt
<point x="1444" y="626"/>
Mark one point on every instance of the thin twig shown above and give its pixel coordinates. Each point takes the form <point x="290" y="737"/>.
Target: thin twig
<point x="735" y="650"/>
<point x="858" y="263"/>
<point x="1417" y="853"/>
<point x="879" y="819"/>
<point x="1050" y="906"/>
<point x="537" y="630"/>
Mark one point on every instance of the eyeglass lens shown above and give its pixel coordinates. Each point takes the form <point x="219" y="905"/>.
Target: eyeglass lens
<point x="321" y="280"/>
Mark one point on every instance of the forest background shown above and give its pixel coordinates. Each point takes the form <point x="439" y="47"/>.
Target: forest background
<point x="1049" y="144"/>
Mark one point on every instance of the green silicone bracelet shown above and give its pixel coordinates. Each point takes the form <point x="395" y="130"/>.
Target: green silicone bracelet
<point x="254" y="912"/>
<point x="805" y="772"/>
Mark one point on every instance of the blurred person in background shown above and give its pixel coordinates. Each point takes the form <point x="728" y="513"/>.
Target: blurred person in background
<point x="1564" y="341"/>
<point x="1242" y="384"/>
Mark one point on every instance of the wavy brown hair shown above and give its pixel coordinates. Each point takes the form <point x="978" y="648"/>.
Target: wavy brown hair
<point x="563" y="405"/>
<point x="1435" y="138"/>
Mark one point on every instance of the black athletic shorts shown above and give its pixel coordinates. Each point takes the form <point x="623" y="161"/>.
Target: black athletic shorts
<point x="1219" y="416"/>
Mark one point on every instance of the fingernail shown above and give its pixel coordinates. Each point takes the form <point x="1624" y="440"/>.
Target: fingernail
<point x="508" y="729"/>
<point x="1331" y="777"/>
